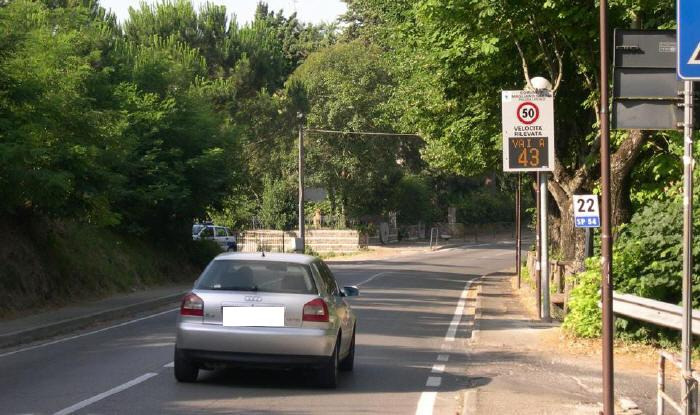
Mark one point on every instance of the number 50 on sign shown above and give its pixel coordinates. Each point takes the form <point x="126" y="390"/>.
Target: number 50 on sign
<point x="586" y="212"/>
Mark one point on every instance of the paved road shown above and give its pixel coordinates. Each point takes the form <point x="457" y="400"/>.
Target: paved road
<point x="412" y="338"/>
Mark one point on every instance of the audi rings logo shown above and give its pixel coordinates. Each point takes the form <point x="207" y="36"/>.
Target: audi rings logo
<point x="253" y="298"/>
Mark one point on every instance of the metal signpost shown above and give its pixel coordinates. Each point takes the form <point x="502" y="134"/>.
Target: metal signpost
<point x="528" y="145"/>
<point x="587" y="216"/>
<point x="605" y="225"/>
<point x="518" y="236"/>
<point x="688" y="70"/>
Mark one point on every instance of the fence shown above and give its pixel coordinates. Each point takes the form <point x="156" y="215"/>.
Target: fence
<point x="334" y="222"/>
<point x="320" y="240"/>
<point x="265" y="240"/>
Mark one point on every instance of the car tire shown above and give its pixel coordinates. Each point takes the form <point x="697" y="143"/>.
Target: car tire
<point x="347" y="364"/>
<point x="328" y="374"/>
<point x="185" y="369"/>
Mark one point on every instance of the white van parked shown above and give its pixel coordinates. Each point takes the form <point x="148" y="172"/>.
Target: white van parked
<point x="219" y="234"/>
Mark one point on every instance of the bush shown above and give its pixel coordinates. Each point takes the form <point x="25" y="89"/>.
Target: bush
<point x="648" y="254"/>
<point x="584" y="316"/>
<point x="200" y="253"/>
<point x="411" y="198"/>
<point x="484" y="206"/>
<point x="278" y="210"/>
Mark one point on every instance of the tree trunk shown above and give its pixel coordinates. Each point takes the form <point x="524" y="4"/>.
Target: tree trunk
<point x="621" y="164"/>
<point x="563" y="186"/>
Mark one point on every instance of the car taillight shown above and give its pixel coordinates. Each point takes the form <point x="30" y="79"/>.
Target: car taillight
<point x="315" y="310"/>
<point x="192" y="305"/>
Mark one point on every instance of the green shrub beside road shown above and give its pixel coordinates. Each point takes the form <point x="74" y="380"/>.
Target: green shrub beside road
<point x="584" y="318"/>
<point x="647" y="262"/>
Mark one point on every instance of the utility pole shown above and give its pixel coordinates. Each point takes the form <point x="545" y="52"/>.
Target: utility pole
<point x="302" y="224"/>
<point x="606" y="238"/>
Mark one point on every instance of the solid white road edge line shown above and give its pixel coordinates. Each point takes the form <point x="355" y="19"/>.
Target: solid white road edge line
<point x="80" y="405"/>
<point x="65" y="339"/>
<point x="426" y="403"/>
<point x="459" y="310"/>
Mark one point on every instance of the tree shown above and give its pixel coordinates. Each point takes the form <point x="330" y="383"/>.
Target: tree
<point x="453" y="58"/>
<point x="348" y="86"/>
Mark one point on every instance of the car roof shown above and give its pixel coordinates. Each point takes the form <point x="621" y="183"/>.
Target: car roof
<point x="269" y="256"/>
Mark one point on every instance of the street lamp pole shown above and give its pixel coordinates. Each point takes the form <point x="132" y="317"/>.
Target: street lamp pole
<point x="302" y="247"/>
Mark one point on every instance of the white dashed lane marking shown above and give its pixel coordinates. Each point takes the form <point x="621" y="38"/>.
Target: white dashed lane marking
<point x="426" y="402"/>
<point x="82" y="404"/>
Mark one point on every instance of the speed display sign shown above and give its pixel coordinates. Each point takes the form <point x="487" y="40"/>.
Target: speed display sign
<point x="528" y="130"/>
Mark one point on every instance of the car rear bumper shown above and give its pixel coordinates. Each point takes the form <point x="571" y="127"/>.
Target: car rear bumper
<point x="253" y="359"/>
<point x="262" y="341"/>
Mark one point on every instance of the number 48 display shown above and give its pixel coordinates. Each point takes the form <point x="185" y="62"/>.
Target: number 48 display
<point x="586" y="211"/>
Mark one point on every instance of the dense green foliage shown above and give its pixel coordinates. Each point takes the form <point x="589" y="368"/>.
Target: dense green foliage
<point x="144" y="129"/>
<point x="647" y="262"/>
<point x="583" y="318"/>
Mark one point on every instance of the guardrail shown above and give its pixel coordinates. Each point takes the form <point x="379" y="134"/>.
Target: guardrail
<point x="667" y="315"/>
<point x="653" y="311"/>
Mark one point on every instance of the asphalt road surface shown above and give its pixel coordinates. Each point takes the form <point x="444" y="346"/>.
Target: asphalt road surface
<point x="413" y="329"/>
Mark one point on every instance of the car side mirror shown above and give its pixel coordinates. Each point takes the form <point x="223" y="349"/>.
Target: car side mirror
<point x="351" y="291"/>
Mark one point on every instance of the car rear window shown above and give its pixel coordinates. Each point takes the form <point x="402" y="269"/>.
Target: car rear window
<point x="262" y="276"/>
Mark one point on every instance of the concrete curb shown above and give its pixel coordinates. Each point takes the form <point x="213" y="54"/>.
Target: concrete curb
<point x="72" y="324"/>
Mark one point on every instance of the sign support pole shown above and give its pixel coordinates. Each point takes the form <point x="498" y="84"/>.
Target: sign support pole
<point x="605" y="234"/>
<point x="518" y="236"/>
<point x="538" y="250"/>
<point x="544" y="254"/>
<point x="689" y="391"/>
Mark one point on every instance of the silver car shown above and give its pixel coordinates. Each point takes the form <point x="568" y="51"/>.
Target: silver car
<point x="266" y="309"/>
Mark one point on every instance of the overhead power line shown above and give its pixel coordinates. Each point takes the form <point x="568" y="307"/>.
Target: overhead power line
<point x="316" y="130"/>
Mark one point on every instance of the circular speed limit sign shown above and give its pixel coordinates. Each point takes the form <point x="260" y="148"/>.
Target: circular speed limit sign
<point x="528" y="113"/>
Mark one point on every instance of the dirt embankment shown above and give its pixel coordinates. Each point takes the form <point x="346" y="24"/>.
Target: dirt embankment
<point x="46" y="263"/>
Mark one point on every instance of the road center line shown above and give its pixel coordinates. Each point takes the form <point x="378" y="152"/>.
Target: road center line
<point x="373" y="277"/>
<point x="80" y="405"/>
<point x="438" y="368"/>
<point x="65" y="339"/>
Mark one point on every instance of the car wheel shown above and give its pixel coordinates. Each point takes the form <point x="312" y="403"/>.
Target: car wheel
<point x="347" y="364"/>
<point x="328" y="374"/>
<point x="185" y="369"/>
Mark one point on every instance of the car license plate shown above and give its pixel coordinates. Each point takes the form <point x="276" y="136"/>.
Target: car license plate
<point x="253" y="316"/>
